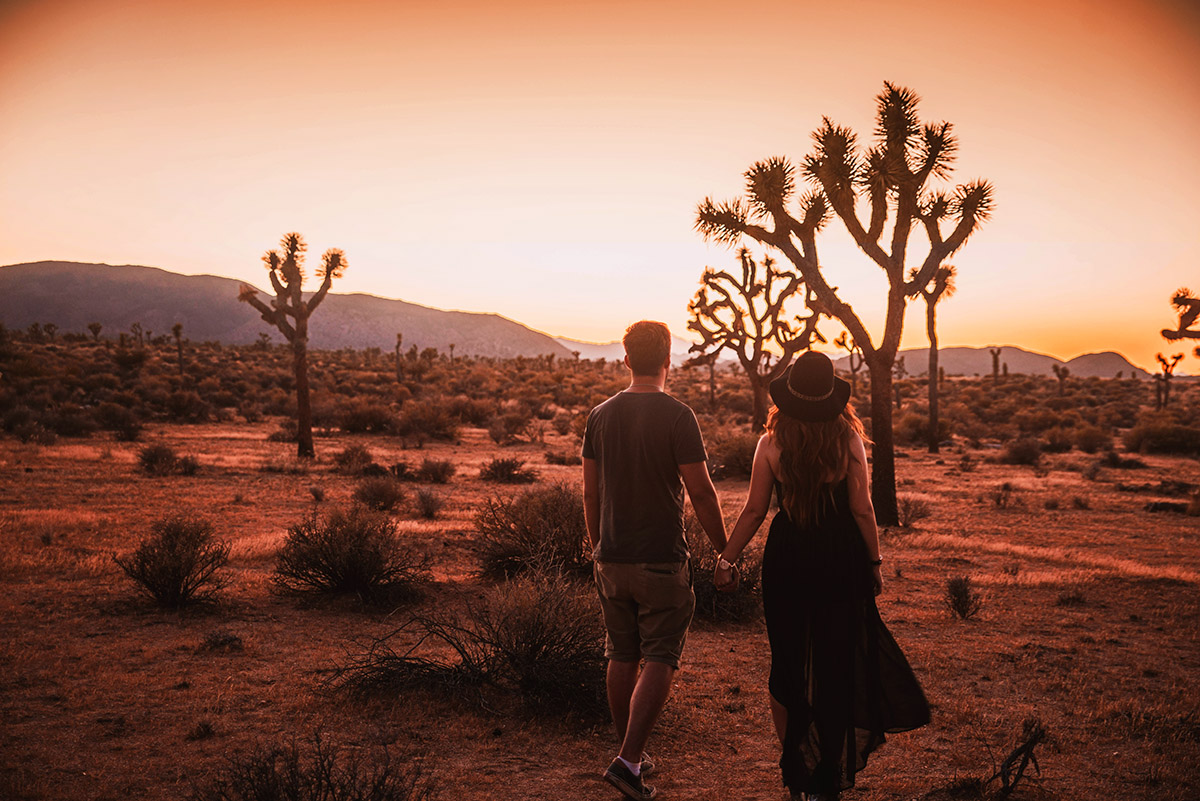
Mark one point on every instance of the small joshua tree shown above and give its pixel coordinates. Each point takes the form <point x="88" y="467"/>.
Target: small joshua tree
<point x="996" y="363"/>
<point x="1061" y="372"/>
<point x="941" y="287"/>
<point x="744" y="314"/>
<point x="177" y="332"/>
<point x="892" y="179"/>
<point x="289" y="313"/>
<point x="95" y="329"/>
<point x="1162" y="381"/>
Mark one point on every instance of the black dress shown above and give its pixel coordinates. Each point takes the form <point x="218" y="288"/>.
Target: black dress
<point x="834" y="666"/>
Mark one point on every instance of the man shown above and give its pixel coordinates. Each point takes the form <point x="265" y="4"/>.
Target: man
<point x="640" y="449"/>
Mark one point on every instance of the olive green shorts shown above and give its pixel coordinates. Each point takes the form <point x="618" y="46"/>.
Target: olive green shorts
<point x="647" y="609"/>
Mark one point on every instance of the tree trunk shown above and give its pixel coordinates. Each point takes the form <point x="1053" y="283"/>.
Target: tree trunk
<point x="761" y="401"/>
<point x="931" y="330"/>
<point x="712" y="385"/>
<point x="883" y="455"/>
<point x="304" y="437"/>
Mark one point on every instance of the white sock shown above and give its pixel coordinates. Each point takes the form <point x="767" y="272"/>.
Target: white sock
<point x="634" y="767"/>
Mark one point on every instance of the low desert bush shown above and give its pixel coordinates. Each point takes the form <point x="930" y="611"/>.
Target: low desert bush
<point x="178" y="563"/>
<point x="532" y="641"/>
<point x="1002" y="496"/>
<point x="508" y="471"/>
<point x="1163" y="437"/>
<point x="352" y="459"/>
<point x="961" y="598"/>
<point x="360" y="416"/>
<point x="381" y="493"/>
<point x="733" y="456"/>
<point x="1090" y="439"/>
<point x="1023" y="451"/>
<point x="563" y="459"/>
<point x="912" y="509"/>
<point x="158" y="460"/>
<point x="323" y="773"/>
<point x="505" y="429"/>
<point x="429" y="504"/>
<point x="349" y="552"/>
<point x="436" y="471"/>
<point x="540" y="530"/>
<point x="120" y="420"/>
<point x="1058" y="440"/>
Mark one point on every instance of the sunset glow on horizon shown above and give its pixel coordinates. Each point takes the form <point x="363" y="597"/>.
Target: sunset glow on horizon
<point x="544" y="161"/>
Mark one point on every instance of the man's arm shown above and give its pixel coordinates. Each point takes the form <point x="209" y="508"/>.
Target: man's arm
<point x="591" y="500"/>
<point x="704" y="500"/>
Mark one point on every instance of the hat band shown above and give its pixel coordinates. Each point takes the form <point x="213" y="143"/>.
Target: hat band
<point x="810" y="398"/>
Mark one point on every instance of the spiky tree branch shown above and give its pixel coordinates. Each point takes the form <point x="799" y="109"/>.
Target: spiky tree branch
<point x="744" y="314"/>
<point x="1188" y="307"/>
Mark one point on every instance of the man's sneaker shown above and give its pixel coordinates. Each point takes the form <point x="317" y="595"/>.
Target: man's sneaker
<point x="623" y="779"/>
<point x="647" y="765"/>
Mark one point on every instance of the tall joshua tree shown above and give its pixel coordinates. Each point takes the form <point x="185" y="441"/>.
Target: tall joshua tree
<point x="289" y="313"/>
<point x="890" y="181"/>
<point x="744" y="313"/>
<point x="941" y="287"/>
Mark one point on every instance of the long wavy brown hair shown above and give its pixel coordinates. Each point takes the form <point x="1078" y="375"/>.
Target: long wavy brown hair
<point x="811" y="457"/>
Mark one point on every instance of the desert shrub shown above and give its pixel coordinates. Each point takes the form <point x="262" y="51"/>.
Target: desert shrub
<point x="967" y="463"/>
<point x="422" y="419"/>
<point x="740" y="604"/>
<point x="563" y="459"/>
<point x="354" y="552"/>
<point x="1057" y="440"/>
<point x="187" y="465"/>
<point x="1080" y="502"/>
<point x="381" y="493"/>
<point x="221" y="642"/>
<point x="177" y="564"/>
<point x="470" y="411"/>
<point x="187" y="407"/>
<point x="504" y="429"/>
<point x="1090" y="439"/>
<point x="436" y="471"/>
<point x="1051" y="504"/>
<point x="1163" y="437"/>
<point x="322" y="774"/>
<point x="402" y="471"/>
<point x="533" y="641"/>
<point x="361" y="416"/>
<point x="962" y="599"/>
<point x="1002" y="496"/>
<point x="540" y="530"/>
<point x="561" y="422"/>
<point x="158" y="460"/>
<point x="508" y="471"/>
<point x="287" y="431"/>
<point x="1111" y="458"/>
<point x="121" y="420"/>
<point x="352" y="459"/>
<point x="1026" y="451"/>
<point x="429" y="504"/>
<point x="912" y="509"/>
<point x="68" y="423"/>
<point x="733" y="456"/>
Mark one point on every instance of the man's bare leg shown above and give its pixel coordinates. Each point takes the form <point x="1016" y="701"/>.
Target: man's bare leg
<point x="622" y="678"/>
<point x="650" y="695"/>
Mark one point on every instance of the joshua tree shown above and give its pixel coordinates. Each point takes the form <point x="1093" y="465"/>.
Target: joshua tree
<point x="892" y="179"/>
<point x="996" y="364"/>
<point x="1189" y="309"/>
<point x="399" y="371"/>
<point x="745" y="315"/>
<point x="289" y="313"/>
<point x="941" y="287"/>
<point x="1162" y="382"/>
<point x="854" y="359"/>
<point x="1061" y="372"/>
<point x="95" y="329"/>
<point x="177" y="332"/>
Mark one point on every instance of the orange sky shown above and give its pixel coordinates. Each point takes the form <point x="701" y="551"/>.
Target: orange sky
<point x="543" y="159"/>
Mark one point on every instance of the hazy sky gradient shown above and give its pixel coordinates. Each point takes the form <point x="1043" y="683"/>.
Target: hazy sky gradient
<point x="543" y="160"/>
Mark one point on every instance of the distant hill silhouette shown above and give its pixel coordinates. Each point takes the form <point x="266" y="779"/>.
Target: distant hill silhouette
<point x="978" y="361"/>
<point x="615" y="351"/>
<point x="72" y="295"/>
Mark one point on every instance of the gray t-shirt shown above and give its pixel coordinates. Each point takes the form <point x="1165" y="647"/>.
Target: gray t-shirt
<point x="638" y="441"/>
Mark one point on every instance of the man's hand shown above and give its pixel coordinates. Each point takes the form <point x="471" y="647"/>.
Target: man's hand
<point x="727" y="580"/>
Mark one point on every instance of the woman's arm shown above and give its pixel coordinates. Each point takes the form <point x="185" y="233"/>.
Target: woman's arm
<point x="861" y="506"/>
<point x="758" y="503"/>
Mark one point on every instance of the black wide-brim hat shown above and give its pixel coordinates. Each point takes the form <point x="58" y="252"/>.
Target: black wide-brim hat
<point x="808" y="390"/>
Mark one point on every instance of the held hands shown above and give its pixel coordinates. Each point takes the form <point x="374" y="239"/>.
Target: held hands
<point x="726" y="576"/>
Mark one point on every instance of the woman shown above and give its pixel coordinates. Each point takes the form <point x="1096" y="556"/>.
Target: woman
<point x="838" y="679"/>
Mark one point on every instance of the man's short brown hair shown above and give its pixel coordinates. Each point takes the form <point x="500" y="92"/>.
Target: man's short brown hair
<point x="648" y="346"/>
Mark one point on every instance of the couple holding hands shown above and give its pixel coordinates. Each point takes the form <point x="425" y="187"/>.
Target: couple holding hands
<point x="838" y="680"/>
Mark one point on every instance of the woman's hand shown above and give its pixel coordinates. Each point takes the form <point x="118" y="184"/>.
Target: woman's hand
<point x="877" y="578"/>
